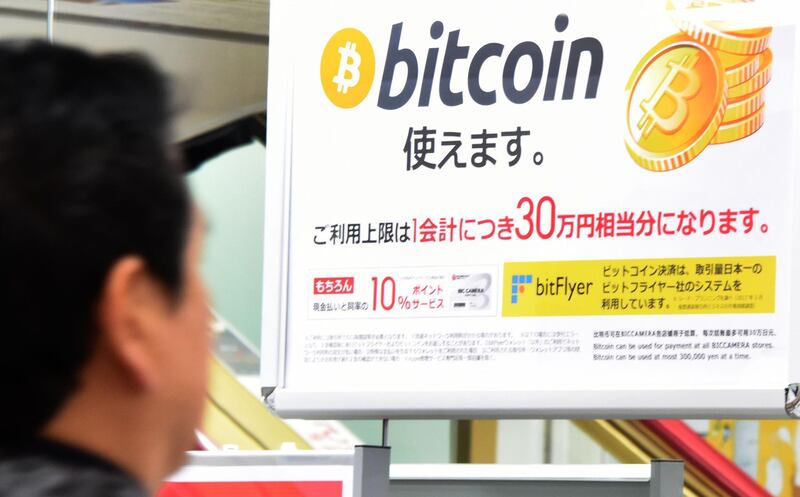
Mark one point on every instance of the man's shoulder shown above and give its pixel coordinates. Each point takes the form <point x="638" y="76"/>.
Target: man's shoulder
<point x="47" y="473"/>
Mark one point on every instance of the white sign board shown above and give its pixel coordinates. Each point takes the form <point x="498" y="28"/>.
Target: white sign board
<point x="531" y="208"/>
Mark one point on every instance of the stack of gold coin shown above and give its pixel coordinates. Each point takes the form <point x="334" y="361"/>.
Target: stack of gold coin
<point x="747" y="62"/>
<point x="702" y="86"/>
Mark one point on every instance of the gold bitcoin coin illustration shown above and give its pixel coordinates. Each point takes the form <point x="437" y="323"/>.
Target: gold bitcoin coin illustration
<point x="347" y="68"/>
<point x="742" y="107"/>
<point x="759" y="79"/>
<point x="742" y="128"/>
<point x="739" y="68"/>
<point x="733" y="37"/>
<point x="743" y="41"/>
<point x="676" y="101"/>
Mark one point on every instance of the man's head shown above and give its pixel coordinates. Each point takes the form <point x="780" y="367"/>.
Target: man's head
<point x="100" y="294"/>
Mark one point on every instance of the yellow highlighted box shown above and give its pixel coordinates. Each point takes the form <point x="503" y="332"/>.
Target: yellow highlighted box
<point x="700" y="285"/>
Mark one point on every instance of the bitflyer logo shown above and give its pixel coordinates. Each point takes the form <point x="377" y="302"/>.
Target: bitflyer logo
<point x="702" y="86"/>
<point x="348" y="68"/>
<point x="518" y="282"/>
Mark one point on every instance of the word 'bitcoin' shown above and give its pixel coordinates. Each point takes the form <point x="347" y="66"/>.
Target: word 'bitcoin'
<point x="527" y="51"/>
<point x="348" y="67"/>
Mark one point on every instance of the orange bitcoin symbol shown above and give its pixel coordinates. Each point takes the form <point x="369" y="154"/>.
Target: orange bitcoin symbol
<point x="676" y="102"/>
<point x="347" y="68"/>
<point x="680" y="111"/>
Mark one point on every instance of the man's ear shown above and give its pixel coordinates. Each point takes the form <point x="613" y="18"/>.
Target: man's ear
<point x="129" y="307"/>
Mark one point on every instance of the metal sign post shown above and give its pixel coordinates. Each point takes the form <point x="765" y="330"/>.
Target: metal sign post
<point x="371" y="471"/>
<point x="51" y="10"/>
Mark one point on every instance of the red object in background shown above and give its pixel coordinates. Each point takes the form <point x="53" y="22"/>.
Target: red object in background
<point x="696" y="451"/>
<point x="252" y="489"/>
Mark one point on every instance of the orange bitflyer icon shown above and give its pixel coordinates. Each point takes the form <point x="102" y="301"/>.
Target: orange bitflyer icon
<point x="704" y="86"/>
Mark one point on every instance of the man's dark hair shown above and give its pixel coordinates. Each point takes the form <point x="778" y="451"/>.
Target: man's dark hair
<point x="86" y="177"/>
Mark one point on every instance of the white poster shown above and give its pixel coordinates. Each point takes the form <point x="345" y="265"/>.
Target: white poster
<point x="533" y="196"/>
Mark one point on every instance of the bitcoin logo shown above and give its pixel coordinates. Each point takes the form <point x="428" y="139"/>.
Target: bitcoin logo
<point x="348" y="75"/>
<point x="679" y="108"/>
<point x="347" y="68"/>
<point x="676" y="102"/>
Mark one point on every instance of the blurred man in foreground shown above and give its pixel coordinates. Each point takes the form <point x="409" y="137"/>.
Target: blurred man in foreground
<point x="105" y="320"/>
